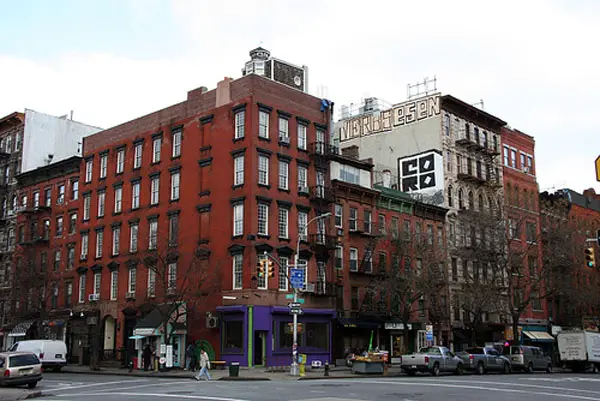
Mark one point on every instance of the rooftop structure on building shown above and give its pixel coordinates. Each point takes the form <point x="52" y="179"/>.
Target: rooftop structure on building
<point x="261" y="63"/>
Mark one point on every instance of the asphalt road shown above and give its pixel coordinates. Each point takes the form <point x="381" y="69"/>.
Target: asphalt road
<point x="524" y="387"/>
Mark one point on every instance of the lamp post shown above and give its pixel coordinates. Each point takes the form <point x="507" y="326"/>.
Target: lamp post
<point x="294" y="370"/>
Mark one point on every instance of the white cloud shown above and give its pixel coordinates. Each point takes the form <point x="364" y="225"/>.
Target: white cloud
<point x="533" y="62"/>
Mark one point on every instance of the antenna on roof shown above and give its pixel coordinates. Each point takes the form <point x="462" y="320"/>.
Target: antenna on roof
<point x="429" y="85"/>
<point x="479" y="104"/>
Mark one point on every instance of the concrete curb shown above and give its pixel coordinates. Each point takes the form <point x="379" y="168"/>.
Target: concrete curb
<point x="244" y="379"/>
<point x="349" y="377"/>
<point x="35" y="394"/>
<point x="128" y="374"/>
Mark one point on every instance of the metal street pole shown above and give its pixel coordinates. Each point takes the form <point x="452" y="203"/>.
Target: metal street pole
<point x="294" y="369"/>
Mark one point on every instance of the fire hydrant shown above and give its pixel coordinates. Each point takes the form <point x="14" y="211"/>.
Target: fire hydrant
<point x="326" y="369"/>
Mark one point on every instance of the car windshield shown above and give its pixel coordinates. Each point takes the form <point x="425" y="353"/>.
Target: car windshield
<point x="430" y="350"/>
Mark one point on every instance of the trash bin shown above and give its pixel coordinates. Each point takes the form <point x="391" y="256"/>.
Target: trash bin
<point x="234" y="369"/>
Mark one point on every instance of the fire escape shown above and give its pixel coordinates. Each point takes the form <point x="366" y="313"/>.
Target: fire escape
<point x="480" y="167"/>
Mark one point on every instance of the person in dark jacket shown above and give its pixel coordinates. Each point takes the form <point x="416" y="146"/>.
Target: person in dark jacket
<point x="147" y="356"/>
<point x="190" y="361"/>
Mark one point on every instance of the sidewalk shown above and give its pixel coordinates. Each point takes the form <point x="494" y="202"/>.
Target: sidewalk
<point x="246" y="374"/>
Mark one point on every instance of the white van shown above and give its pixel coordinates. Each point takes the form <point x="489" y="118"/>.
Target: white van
<point x="52" y="353"/>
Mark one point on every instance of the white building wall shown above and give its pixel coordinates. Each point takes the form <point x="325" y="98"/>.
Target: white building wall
<point x="46" y="135"/>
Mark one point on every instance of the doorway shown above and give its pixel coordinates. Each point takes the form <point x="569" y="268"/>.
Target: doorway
<point x="260" y="341"/>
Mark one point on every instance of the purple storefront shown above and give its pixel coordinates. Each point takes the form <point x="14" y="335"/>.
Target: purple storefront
<point x="262" y="335"/>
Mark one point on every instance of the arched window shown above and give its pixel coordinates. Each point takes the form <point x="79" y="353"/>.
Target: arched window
<point x="449" y="195"/>
<point x="480" y="202"/>
<point x="461" y="200"/>
<point x="471" y="200"/>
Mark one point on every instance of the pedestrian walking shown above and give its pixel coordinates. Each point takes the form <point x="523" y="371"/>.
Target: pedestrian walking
<point x="190" y="360"/>
<point x="204" y="366"/>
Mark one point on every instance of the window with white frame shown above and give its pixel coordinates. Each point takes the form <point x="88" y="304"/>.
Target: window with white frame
<point x="513" y="158"/>
<point x="133" y="237"/>
<point x="154" y="190"/>
<point x="176" y="151"/>
<point x="282" y="278"/>
<point x="99" y="243"/>
<point x="101" y="203"/>
<point x="381" y="223"/>
<point x="338" y="212"/>
<point x="57" y="257"/>
<point x="97" y="283"/>
<point x="120" y="161"/>
<point x="135" y="195"/>
<point x="238" y="219"/>
<point x="284" y="135"/>
<point x="172" y="276"/>
<point x="238" y="170"/>
<point x="302" y="179"/>
<point x="151" y="283"/>
<point x="368" y="260"/>
<point x="353" y="260"/>
<point x="118" y="199"/>
<point x="116" y="240"/>
<point x="137" y="155"/>
<point x="240" y="123"/>
<point x="238" y="271"/>
<point x="302" y="222"/>
<point x="156" y="147"/>
<point x="114" y="284"/>
<point x="89" y="168"/>
<point x="36" y="199"/>
<point x="175" y="181"/>
<point x="132" y="280"/>
<point x="59" y="226"/>
<point x="263" y="170"/>
<point x="302" y="136"/>
<point x="283" y="174"/>
<point x="262" y="280"/>
<point x="103" y="165"/>
<point x="173" y="229"/>
<point x="82" y="288"/>
<point x="353" y="219"/>
<point x="263" y="219"/>
<point x="70" y="256"/>
<point x="152" y="234"/>
<point x="60" y="199"/>
<point x="284" y="215"/>
<point x="263" y="124"/>
<point x="350" y="174"/>
<point x="84" y="245"/>
<point x="339" y="257"/>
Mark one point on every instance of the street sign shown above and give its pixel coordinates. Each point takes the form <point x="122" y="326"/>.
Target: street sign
<point x="301" y="300"/>
<point x="296" y="311"/>
<point x="289" y="296"/>
<point x="598" y="168"/>
<point x="429" y="332"/>
<point x="297" y="278"/>
<point x="294" y="305"/>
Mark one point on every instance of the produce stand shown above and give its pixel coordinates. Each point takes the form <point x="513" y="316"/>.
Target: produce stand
<point x="370" y="364"/>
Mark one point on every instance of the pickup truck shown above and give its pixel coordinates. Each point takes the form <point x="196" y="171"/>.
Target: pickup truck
<point x="433" y="360"/>
<point x="482" y="359"/>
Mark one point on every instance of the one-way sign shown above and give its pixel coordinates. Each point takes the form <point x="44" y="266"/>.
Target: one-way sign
<point x="292" y="305"/>
<point x="296" y="311"/>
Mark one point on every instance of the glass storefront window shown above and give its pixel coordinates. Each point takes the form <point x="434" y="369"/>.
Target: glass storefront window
<point x="233" y="335"/>
<point x="317" y="335"/>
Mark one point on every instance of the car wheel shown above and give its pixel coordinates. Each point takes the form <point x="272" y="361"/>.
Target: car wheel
<point x="459" y="370"/>
<point x="506" y="368"/>
<point x="530" y="368"/>
<point x="549" y="368"/>
<point x="436" y="369"/>
<point x="480" y="369"/>
<point x="31" y="385"/>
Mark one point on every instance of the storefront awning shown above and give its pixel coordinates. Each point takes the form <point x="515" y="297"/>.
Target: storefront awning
<point x="20" y="330"/>
<point x="538" y="336"/>
<point x="358" y="323"/>
<point x="151" y="324"/>
<point x="136" y="337"/>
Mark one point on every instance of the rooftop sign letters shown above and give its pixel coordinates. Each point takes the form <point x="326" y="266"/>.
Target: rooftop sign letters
<point x="402" y="114"/>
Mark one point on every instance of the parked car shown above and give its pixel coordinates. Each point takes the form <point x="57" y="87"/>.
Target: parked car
<point x="20" y="368"/>
<point x="528" y="358"/>
<point x="484" y="359"/>
<point x="52" y="353"/>
<point x="433" y="360"/>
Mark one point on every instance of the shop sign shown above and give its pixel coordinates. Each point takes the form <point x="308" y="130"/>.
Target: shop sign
<point x="144" y="332"/>
<point x="396" y="326"/>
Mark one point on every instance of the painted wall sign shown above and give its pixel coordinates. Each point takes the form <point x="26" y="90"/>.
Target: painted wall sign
<point x="402" y="114"/>
<point x="422" y="175"/>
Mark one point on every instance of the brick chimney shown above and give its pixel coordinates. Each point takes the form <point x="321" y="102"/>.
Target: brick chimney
<point x="223" y="92"/>
<point x="351" y="151"/>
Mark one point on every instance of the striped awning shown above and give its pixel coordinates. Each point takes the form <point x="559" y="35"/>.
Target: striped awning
<point x="20" y="330"/>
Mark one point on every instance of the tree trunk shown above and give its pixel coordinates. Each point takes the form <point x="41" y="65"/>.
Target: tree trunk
<point x="515" y="327"/>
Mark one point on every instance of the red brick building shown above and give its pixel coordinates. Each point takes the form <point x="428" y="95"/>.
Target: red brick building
<point x="523" y="213"/>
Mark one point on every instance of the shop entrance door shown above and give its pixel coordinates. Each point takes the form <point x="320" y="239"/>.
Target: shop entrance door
<point x="260" y="340"/>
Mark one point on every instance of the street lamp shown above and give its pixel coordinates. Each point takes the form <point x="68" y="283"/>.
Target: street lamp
<point x="294" y="369"/>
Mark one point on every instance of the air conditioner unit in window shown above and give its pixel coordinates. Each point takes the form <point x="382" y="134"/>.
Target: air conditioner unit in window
<point x="93" y="297"/>
<point x="284" y="139"/>
<point x="212" y="322"/>
<point x="310" y="288"/>
<point x="526" y="170"/>
<point x="130" y="295"/>
<point x="303" y="189"/>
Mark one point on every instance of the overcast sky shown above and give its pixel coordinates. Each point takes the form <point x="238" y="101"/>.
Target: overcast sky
<point x="534" y="63"/>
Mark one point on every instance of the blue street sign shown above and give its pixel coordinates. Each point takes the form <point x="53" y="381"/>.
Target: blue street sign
<point x="297" y="278"/>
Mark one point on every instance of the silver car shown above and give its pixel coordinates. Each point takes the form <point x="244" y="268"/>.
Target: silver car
<point x="528" y="359"/>
<point x="20" y="368"/>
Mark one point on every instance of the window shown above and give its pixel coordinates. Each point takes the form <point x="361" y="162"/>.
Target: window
<point x="116" y="240"/>
<point x="75" y="190"/>
<point x="153" y="234"/>
<point x="48" y="197"/>
<point x="522" y="159"/>
<point x="440" y="237"/>
<point x="173" y="229"/>
<point x="36" y="199"/>
<point x="394" y="226"/>
<point x="484" y="139"/>
<point x="447" y="124"/>
<point x="101" y="203"/>
<point x="84" y="245"/>
<point x="99" y="243"/>
<point x="302" y="179"/>
<point x="461" y="204"/>
<point x="151" y="283"/>
<point x="172" y="276"/>
<point x="135" y="195"/>
<point x="282" y="277"/>
<point x="238" y="219"/>
<point x="263" y="124"/>
<point x="114" y="284"/>
<point x="176" y="152"/>
<point x="175" y="180"/>
<point x="459" y="166"/>
<point x="238" y="271"/>
<point x="339" y="257"/>
<point x="97" y="283"/>
<point x="368" y="261"/>
<point x="262" y="279"/>
<point x="118" y="199"/>
<point x="233" y="335"/>
<point x="530" y="164"/>
<point x="302" y="222"/>
<point x="429" y="234"/>
<point x="103" y="165"/>
<point x="137" y="155"/>
<point x="448" y="161"/>
<point x="132" y="280"/>
<point x="89" y="167"/>
<point x="513" y="158"/>
<point x="133" y="237"/>
<point x="283" y="174"/>
<point x="418" y="231"/>
<point x="353" y="220"/>
<point x="302" y="136"/>
<point x="531" y="232"/>
<point x="57" y="256"/>
<point x="350" y="174"/>
<point x="59" y="226"/>
<point x="263" y="219"/>
<point x="284" y="215"/>
<point x="263" y="170"/>
<point x="368" y="222"/>
<point x="353" y="259"/>
<point x="68" y="293"/>
<point x="120" y="161"/>
<point x="70" y="256"/>
<point x="238" y="170"/>
<point x="240" y="121"/>
<point x="512" y="227"/>
<point x="82" y="288"/>
<point x="156" y="145"/>
<point x="284" y="135"/>
<point x="338" y="211"/>
<point x="154" y="188"/>
<point x="382" y="263"/>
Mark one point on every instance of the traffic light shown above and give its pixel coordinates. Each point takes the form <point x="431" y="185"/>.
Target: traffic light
<point x="590" y="257"/>
<point x="271" y="268"/>
<point x="260" y="269"/>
